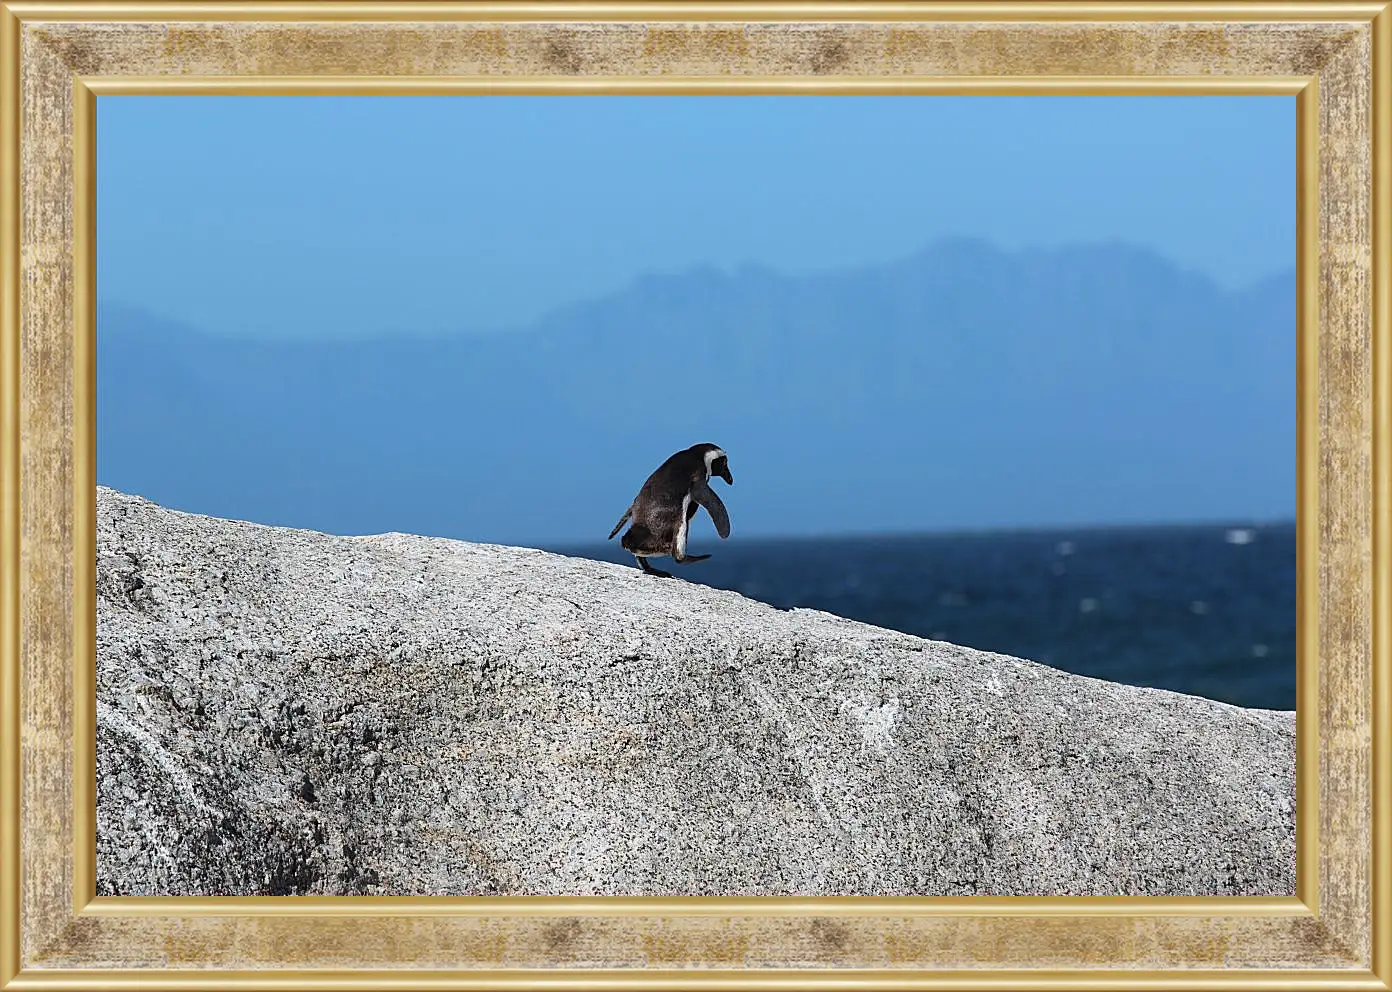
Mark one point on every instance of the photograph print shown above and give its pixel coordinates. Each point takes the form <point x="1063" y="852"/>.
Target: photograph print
<point x="695" y="495"/>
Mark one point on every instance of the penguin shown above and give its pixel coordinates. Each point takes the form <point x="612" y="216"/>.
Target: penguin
<point x="670" y="497"/>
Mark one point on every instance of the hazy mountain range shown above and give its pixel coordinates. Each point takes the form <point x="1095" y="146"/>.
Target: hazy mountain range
<point x="962" y="387"/>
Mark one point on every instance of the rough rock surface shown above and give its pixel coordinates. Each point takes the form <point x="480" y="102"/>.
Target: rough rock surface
<point x="282" y="711"/>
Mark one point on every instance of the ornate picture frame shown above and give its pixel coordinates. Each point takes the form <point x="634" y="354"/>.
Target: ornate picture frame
<point x="59" y="56"/>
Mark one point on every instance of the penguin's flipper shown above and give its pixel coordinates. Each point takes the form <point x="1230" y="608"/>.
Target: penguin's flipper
<point x="707" y="497"/>
<point x="618" y="526"/>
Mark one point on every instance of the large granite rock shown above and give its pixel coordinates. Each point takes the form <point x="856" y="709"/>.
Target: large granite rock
<point x="281" y="711"/>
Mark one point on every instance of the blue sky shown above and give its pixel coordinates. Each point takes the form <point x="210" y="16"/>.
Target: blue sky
<point x="357" y="216"/>
<point x="1013" y="384"/>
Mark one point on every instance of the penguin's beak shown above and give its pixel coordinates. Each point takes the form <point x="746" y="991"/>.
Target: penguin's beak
<point x="725" y="474"/>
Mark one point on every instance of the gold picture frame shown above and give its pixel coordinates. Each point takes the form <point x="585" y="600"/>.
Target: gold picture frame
<point x="1335" y="932"/>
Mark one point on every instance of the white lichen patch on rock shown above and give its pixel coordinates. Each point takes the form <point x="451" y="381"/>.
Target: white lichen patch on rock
<point x="876" y="719"/>
<point x="283" y="711"/>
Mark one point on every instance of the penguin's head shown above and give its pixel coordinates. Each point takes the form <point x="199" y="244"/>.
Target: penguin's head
<point x="717" y="463"/>
<point x="721" y="467"/>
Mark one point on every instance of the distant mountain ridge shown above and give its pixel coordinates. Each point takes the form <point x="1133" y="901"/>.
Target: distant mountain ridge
<point x="962" y="386"/>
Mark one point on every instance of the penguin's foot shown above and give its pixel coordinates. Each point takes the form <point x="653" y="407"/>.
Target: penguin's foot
<point x="690" y="558"/>
<point x="643" y="564"/>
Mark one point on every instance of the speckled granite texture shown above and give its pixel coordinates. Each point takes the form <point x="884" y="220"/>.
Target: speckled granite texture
<point x="281" y="711"/>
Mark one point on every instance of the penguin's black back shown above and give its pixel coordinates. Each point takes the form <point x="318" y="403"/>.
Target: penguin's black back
<point x="657" y="512"/>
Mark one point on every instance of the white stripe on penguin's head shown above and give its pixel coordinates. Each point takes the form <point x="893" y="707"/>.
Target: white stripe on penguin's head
<point x="711" y="456"/>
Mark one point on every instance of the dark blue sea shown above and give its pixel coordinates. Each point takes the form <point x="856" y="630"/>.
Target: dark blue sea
<point x="1207" y="610"/>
